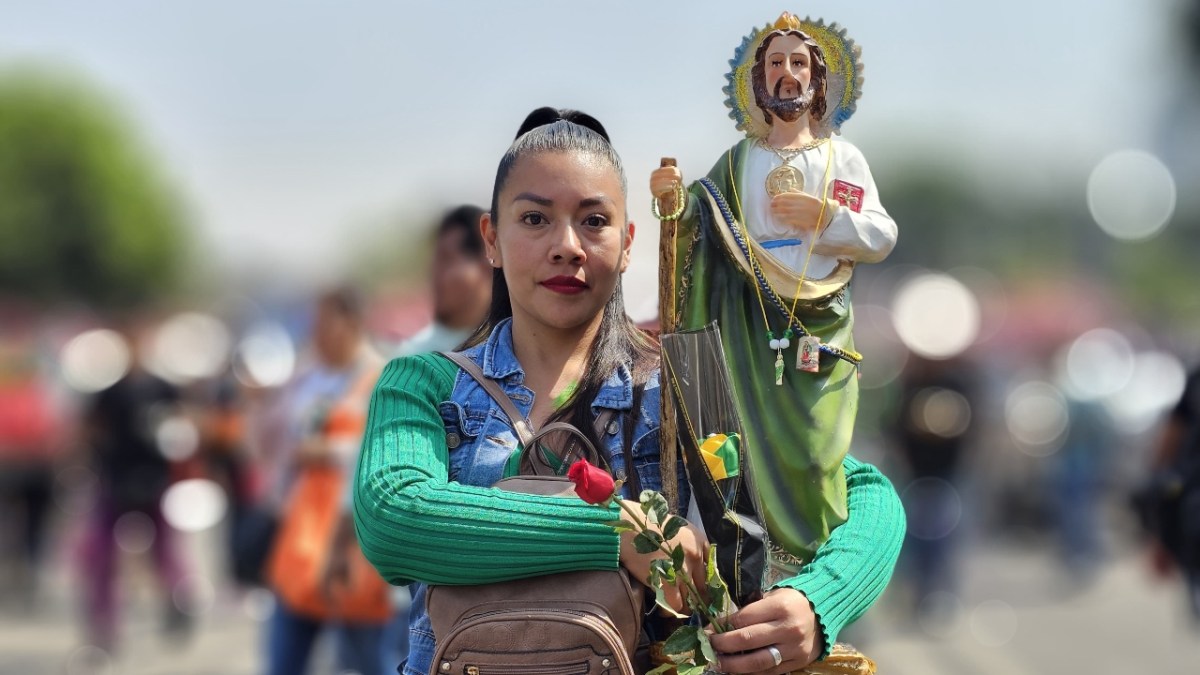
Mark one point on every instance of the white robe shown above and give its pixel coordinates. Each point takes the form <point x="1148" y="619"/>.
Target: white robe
<point x="867" y="235"/>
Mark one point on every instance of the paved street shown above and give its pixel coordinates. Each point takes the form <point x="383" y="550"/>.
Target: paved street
<point x="1019" y="615"/>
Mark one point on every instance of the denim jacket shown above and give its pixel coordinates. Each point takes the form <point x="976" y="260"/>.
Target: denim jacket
<point x="481" y="439"/>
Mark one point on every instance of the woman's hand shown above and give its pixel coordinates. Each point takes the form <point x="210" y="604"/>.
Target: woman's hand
<point x="695" y="547"/>
<point x="784" y="619"/>
<point x="800" y="211"/>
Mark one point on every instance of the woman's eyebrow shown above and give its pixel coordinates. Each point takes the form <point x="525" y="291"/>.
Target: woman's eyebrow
<point x="536" y="199"/>
<point x="595" y="201"/>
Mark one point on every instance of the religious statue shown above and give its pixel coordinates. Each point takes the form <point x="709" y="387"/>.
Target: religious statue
<point x="764" y="247"/>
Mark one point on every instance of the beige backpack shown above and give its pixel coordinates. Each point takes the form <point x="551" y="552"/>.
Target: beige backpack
<point x="573" y="623"/>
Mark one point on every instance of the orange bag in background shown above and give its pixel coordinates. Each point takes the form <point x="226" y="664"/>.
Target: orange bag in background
<point x="306" y="533"/>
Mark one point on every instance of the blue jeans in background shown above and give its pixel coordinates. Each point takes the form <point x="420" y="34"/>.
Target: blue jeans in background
<point x="358" y="648"/>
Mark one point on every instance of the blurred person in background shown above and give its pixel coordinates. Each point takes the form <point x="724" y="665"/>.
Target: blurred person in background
<point x="1170" y="504"/>
<point x="120" y="425"/>
<point x="343" y="363"/>
<point x="462" y="284"/>
<point x="30" y="442"/>
<point x="1078" y="474"/>
<point x="462" y="292"/>
<point x="932" y="432"/>
<point x="226" y="458"/>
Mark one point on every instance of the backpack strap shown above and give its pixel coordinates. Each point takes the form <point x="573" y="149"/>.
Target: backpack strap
<point x="522" y="426"/>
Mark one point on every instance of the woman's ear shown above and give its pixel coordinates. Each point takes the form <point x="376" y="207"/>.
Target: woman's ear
<point x="627" y="252"/>
<point x="487" y="229"/>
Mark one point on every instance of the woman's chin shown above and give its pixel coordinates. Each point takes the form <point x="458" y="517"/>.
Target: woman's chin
<point x="568" y="318"/>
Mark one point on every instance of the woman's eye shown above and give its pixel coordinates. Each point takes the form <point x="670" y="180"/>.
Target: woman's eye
<point x="533" y="219"/>
<point x="595" y="221"/>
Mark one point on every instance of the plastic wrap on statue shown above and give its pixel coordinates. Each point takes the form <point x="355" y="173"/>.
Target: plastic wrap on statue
<point x="710" y="428"/>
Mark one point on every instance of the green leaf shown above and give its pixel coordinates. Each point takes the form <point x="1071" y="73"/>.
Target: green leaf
<point x="655" y="578"/>
<point x="664" y="668"/>
<point x="622" y="525"/>
<point x="660" y="599"/>
<point x="682" y="669"/>
<point x="678" y="555"/>
<point x="706" y="648"/>
<point x="672" y="527"/>
<point x="647" y="542"/>
<point x="662" y="566"/>
<point x="654" y="505"/>
<point x="659" y="509"/>
<point x="684" y="640"/>
<point x="718" y="603"/>
<point x="718" y="592"/>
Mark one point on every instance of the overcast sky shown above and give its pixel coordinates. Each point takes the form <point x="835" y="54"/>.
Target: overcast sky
<point x="290" y="124"/>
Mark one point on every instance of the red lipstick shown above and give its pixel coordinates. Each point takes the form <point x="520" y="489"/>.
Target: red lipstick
<point x="565" y="285"/>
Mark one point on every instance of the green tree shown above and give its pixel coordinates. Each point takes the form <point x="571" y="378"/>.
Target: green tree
<point x="84" y="213"/>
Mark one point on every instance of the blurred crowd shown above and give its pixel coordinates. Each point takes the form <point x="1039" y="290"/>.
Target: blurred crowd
<point x="121" y="434"/>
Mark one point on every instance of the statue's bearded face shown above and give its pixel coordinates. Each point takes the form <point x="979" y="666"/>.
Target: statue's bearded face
<point x="789" y="78"/>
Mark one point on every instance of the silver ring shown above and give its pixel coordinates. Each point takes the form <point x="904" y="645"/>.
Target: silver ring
<point x="775" y="654"/>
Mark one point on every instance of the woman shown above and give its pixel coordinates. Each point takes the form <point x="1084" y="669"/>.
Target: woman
<point x="558" y="341"/>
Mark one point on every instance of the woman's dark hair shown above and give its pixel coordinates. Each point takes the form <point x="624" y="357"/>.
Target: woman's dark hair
<point x="618" y="342"/>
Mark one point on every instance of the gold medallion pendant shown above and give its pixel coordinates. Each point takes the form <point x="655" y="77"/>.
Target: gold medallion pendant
<point x="784" y="178"/>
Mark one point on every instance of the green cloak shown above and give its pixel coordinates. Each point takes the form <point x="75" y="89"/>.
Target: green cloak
<point x="797" y="434"/>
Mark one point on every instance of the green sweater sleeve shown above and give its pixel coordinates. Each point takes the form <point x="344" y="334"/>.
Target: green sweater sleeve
<point x="852" y="568"/>
<point x="414" y="524"/>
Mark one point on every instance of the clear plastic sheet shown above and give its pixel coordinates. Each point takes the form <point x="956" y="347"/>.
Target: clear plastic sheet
<point x="694" y="367"/>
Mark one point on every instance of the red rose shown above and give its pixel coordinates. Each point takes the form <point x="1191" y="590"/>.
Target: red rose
<point x="593" y="485"/>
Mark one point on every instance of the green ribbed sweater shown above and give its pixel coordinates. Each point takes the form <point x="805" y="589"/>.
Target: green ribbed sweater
<point x="414" y="524"/>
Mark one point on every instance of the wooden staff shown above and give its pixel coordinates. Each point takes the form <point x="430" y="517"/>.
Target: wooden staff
<point x="667" y="434"/>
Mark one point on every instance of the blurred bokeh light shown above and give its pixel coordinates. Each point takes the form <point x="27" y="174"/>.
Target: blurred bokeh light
<point x="1037" y="417"/>
<point x="935" y="315"/>
<point x="189" y="347"/>
<point x="1097" y="364"/>
<point x="95" y="360"/>
<point x="1131" y="195"/>
<point x="266" y="356"/>
<point x="194" y="504"/>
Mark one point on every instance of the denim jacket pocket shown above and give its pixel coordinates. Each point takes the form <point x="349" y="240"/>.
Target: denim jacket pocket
<point x="462" y="431"/>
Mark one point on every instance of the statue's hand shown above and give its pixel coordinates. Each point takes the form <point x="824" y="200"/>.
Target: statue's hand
<point x="664" y="181"/>
<point x="800" y="211"/>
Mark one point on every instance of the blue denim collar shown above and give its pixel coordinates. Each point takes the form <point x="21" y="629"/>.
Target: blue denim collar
<point x="496" y="356"/>
<point x="498" y="361"/>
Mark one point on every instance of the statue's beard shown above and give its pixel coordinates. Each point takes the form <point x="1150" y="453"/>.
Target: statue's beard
<point x="787" y="109"/>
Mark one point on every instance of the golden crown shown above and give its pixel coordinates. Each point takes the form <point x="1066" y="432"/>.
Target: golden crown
<point x="787" y="21"/>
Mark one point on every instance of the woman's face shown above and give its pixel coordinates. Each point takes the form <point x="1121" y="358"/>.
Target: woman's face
<point x="561" y="237"/>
